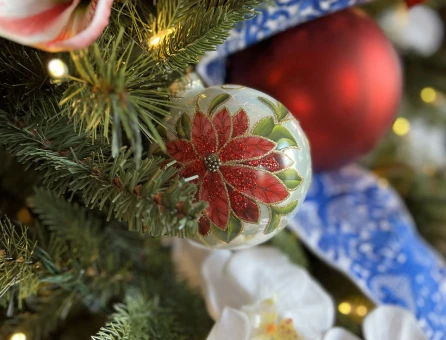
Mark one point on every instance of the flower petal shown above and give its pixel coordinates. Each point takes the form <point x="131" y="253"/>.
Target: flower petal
<point x="240" y="123"/>
<point x="195" y="168"/>
<point x="181" y="150"/>
<point x="54" y="25"/>
<point x="244" y="207"/>
<point x="188" y="259"/>
<point x="246" y="148"/>
<point x="338" y="333"/>
<point x="204" y="226"/>
<point x="84" y="27"/>
<point x="219" y="289"/>
<point x="214" y="192"/>
<point x="273" y="162"/>
<point x="29" y="22"/>
<point x="391" y="323"/>
<point x="233" y="325"/>
<point x="255" y="183"/>
<point x="264" y="273"/>
<point x="222" y="123"/>
<point x="204" y="137"/>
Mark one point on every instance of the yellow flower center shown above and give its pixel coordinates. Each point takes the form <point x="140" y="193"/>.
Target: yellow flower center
<point x="270" y="326"/>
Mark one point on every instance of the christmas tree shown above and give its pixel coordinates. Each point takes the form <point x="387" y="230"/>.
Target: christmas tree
<point x="134" y="199"/>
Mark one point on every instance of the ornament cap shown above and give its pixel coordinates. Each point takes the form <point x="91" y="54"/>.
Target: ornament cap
<point x="183" y="86"/>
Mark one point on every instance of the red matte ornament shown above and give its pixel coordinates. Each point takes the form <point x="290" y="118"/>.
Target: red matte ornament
<point x="411" y="3"/>
<point x="338" y="75"/>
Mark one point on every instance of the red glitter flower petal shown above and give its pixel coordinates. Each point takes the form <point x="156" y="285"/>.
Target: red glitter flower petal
<point x="240" y="123"/>
<point x="203" y="135"/>
<point x="204" y="227"/>
<point x="222" y="123"/>
<point x="181" y="150"/>
<point x="246" y="148"/>
<point x="195" y="168"/>
<point x="273" y="162"/>
<point x="214" y="192"/>
<point x="255" y="183"/>
<point x="244" y="207"/>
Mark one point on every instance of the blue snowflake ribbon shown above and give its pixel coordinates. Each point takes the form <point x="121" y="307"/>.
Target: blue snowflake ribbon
<point x="360" y="226"/>
<point x="271" y="20"/>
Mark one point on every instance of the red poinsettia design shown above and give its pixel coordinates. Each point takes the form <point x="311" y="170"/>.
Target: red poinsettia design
<point x="234" y="170"/>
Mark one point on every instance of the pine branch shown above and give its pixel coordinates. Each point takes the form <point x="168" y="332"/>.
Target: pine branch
<point x="71" y="223"/>
<point x="98" y="267"/>
<point x="148" y="198"/>
<point x="128" y="322"/>
<point x="45" y="314"/>
<point x="24" y="82"/>
<point x="140" y="319"/>
<point x="18" y="267"/>
<point x="196" y="28"/>
<point x="117" y="87"/>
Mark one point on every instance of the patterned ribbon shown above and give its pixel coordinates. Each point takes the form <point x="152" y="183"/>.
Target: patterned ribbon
<point x="361" y="227"/>
<point x="270" y="21"/>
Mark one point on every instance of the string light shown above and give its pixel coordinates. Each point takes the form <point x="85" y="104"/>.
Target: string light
<point x="24" y="216"/>
<point x="361" y="310"/>
<point x="401" y="126"/>
<point x="428" y="95"/>
<point x="345" y="308"/>
<point x="57" y="69"/>
<point x="156" y="39"/>
<point x="18" y="336"/>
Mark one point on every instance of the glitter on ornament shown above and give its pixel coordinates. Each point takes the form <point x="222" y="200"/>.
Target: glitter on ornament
<point x="212" y="155"/>
<point x="248" y="158"/>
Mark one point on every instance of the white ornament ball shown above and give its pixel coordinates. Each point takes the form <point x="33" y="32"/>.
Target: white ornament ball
<point x="249" y="158"/>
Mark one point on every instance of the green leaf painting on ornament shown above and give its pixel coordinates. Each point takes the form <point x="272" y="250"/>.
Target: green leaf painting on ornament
<point x="162" y="131"/>
<point x="276" y="132"/>
<point x="264" y="127"/>
<point x="275" y="214"/>
<point x="217" y="101"/>
<point x="160" y="153"/>
<point x="283" y="112"/>
<point x="183" y="127"/>
<point x="280" y="111"/>
<point x="290" y="178"/>
<point x="233" y="229"/>
<point x="282" y="137"/>
<point x="286" y="210"/>
<point x="273" y="222"/>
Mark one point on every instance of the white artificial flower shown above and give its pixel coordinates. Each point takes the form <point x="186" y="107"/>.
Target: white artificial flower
<point x="426" y="144"/>
<point x="258" y="294"/>
<point x="384" y="323"/>
<point x="54" y="25"/>
<point x="188" y="258"/>
<point x="419" y="29"/>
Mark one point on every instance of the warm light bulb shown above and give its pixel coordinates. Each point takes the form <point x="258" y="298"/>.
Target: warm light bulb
<point x="345" y="308"/>
<point x="428" y="95"/>
<point x="383" y="183"/>
<point x="57" y="68"/>
<point x="18" y="336"/>
<point x="361" y="310"/>
<point x="401" y="126"/>
<point x="156" y="39"/>
<point x="24" y="216"/>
